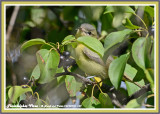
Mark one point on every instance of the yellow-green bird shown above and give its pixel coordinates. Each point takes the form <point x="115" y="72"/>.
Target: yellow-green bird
<point x="87" y="60"/>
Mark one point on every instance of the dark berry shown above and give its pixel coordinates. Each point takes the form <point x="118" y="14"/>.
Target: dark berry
<point x="69" y="62"/>
<point x="62" y="57"/>
<point x="66" y="54"/>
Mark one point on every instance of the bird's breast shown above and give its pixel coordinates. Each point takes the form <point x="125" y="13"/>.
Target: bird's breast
<point x="87" y="65"/>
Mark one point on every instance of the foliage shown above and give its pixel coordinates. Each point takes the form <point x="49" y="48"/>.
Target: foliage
<point x="121" y="27"/>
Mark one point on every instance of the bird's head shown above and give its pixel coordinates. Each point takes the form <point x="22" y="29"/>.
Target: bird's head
<point x="86" y="30"/>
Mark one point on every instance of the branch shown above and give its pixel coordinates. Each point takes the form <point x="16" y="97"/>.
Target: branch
<point x="85" y="80"/>
<point x="140" y="92"/>
<point x="120" y="102"/>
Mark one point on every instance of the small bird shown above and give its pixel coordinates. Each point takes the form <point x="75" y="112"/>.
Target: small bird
<point x="88" y="61"/>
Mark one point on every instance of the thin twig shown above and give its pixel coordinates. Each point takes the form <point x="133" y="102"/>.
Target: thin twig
<point x="12" y="22"/>
<point x="130" y="80"/>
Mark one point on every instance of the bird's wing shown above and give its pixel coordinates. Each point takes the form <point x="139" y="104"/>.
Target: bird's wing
<point x="93" y="56"/>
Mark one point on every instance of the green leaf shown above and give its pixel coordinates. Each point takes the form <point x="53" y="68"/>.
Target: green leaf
<point x="31" y="43"/>
<point x="138" y="52"/>
<point x="36" y="72"/>
<point x="7" y="89"/>
<point x="149" y="10"/>
<point x="136" y="103"/>
<point x="105" y="100"/>
<point x="116" y="70"/>
<point x="132" y="88"/>
<point x="15" y="91"/>
<point x="131" y="73"/>
<point x="149" y="48"/>
<point x="48" y="61"/>
<point x="68" y="39"/>
<point x="72" y="85"/>
<point x="113" y="40"/>
<point x="93" y="44"/>
<point x="109" y="9"/>
<point x="126" y="9"/>
<point x="91" y="102"/>
<point x="133" y="104"/>
<point x="107" y="22"/>
<point x="128" y="24"/>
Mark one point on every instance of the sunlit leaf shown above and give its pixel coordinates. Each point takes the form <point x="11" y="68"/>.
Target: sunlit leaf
<point x="113" y="40"/>
<point x="15" y="91"/>
<point x="68" y="39"/>
<point x="31" y="43"/>
<point x="92" y="43"/>
<point x="91" y="102"/>
<point x="132" y="88"/>
<point x="48" y="61"/>
<point x="136" y="103"/>
<point x="116" y="70"/>
<point x="128" y="24"/>
<point x="133" y="104"/>
<point x="131" y="73"/>
<point x="36" y="72"/>
<point x="72" y="85"/>
<point x="109" y="9"/>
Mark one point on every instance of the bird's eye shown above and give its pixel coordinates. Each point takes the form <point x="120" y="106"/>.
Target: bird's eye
<point x="89" y="33"/>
